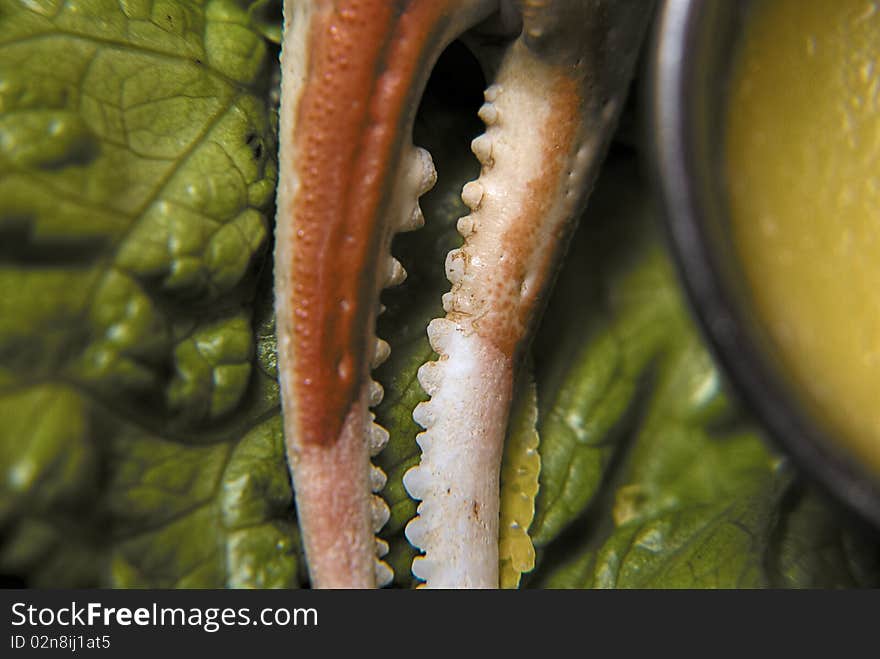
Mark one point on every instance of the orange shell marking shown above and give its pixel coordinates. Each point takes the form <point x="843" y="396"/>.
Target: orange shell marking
<point x="362" y="59"/>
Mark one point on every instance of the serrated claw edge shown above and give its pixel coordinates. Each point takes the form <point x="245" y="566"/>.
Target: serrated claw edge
<point x="350" y="178"/>
<point x="352" y="75"/>
<point x="549" y="114"/>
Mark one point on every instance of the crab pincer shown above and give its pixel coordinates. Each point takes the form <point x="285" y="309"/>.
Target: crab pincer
<point x="352" y="76"/>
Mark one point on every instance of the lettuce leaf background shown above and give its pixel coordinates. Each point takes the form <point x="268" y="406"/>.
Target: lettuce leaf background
<point x="140" y="442"/>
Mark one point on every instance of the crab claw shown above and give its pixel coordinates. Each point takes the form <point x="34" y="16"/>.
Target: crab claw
<point x="353" y="72"/>
<point x="549" y="115"/>
<point x="352" y="75"/>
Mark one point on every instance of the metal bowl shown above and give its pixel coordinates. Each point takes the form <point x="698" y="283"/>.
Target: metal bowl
<point x="693" y="48"/>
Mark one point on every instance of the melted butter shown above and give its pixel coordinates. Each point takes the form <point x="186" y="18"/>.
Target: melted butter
<point x="803" y="164"/>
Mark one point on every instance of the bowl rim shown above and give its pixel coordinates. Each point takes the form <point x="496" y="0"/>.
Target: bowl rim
<point x="671" y="138"/>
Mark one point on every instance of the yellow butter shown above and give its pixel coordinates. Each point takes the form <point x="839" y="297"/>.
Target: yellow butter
<point x="803" y="170"/>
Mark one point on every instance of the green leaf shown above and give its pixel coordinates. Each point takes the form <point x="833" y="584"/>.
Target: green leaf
<point x="615" y="308"/>
<point x="693" y="509"/>
<point x="140" y="446"/>
<point x="816" y="550"/>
